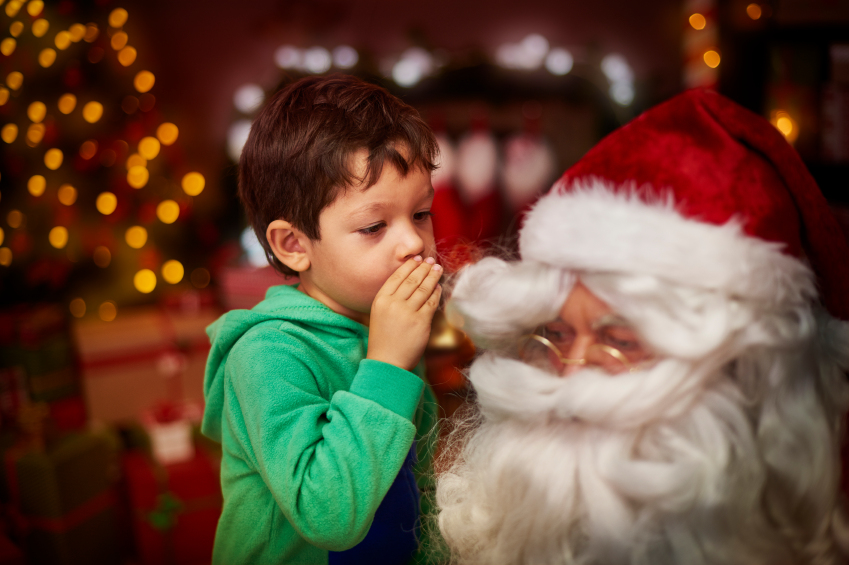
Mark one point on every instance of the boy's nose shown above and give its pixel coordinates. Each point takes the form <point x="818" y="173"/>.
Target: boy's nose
<point x="410" y="244"/>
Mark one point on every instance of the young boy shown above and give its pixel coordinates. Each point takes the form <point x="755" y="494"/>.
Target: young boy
<point x="316" y="394"/>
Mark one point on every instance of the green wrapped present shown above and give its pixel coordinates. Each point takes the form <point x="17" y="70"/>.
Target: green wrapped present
<point x="63" y="499"/>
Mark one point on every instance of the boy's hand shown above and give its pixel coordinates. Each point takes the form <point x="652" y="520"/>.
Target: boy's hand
<point x="402" y="311"/>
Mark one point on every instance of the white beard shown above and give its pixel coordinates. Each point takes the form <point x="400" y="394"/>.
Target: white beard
<point x="684" y="463"/>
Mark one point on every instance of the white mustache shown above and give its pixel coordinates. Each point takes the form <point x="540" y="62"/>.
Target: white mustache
<point x="622" y="401"/>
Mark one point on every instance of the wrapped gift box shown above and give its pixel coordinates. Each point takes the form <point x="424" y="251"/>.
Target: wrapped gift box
<point x="144" y="356"/>
<point x="175" y="508"/>
<point x="63" y="500"/>
<point x="36" y="339"/>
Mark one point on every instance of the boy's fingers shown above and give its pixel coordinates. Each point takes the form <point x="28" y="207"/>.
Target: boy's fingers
<point x="426" y="287"/>
<point x="433" y="302"/>
<point x="400" y="274"/>
<point x="409" y="285"/>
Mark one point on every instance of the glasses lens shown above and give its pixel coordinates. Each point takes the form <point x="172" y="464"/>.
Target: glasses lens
<point x="537" y="353"/>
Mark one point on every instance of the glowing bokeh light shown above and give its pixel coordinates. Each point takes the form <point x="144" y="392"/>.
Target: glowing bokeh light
<point x="15" y="219"/>
<point x="288" y="57"/>
<point x="118" y="17"/>
<point x="167" y="133"/>
<point x="13" y="7"/>
<point x="173" y="271"/>
<point x="149" y="147"/>
<point x="317" y="60"/>
<point x="40" y="27"/>
<point x="119" y="41"/>
<point x="138" y="176"/>
<point x="9" y="133"/>
<point x="62" y="40"/>
<point x="36" y="111"/>
<point x="14" y="80"/>
<point x="345" y="57"/>
<point x="67" y="103"/>
<point x="145" y="281"/>
<point x="193" y="183"/>
<point x="77" y="307"/>
<point x="4" y="95"/>
<point x="248" y="98"/>
<point x="136" y="160"/>
<point x="58" y="237"/>
<point x="53" y="159"/>
<point x="106" y="203"/>
<point x="698" y="21"/>
<point x="16" y="28"/>
<point x="7" y="46"/>
<point x="754" y="11"/>
<point x="168" y="211"/>
<point x="2" y="235"/>
<point x="88" y="149"/>
<point x="102" y="256"/>
<point x="712" y="59"/>
<point x="77" y="32"/>
<point x="36" y="185"/>
<point x="144" y="81"/>
<point x="127" y="56"/>
<point x="237" y="135"/>
<point x="91" y="33"/>
<point x="136" y="237"/>
<point x="200" y="277"/>
<point x="67" y="194"/>
<point x="622" y="93"/>
<point x="35" y="7"/>
<point x="559" y="61"/>
<point x="92" y="111"/>
<point x="35" y="133"/>
<point x="107" y="311"/>
<point x="415" y="63"/>
<point x="47" y="57"/>
<point x="784" y="123"/>
<point x="616" y="68"/>
<point x="5" y="256"/>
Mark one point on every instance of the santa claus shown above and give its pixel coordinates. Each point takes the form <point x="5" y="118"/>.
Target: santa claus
<point x="664" y="376"/>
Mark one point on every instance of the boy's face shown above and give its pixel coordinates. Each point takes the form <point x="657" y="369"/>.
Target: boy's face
<point x="365" y="236"/>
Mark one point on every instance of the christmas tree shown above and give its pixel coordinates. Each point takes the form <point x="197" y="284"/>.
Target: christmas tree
<point x="96" y="196"/>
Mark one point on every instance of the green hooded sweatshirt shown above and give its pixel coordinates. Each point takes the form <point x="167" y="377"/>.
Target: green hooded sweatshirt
<point x="312" y="433"/>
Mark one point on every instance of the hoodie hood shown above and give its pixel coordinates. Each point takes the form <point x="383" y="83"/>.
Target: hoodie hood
<point x="282" y="303"/>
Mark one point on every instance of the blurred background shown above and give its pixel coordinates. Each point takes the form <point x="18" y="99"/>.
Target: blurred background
<point x="121" y="236"/>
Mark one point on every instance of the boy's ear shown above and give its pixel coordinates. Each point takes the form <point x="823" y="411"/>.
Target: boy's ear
<point x="288" y="244"/>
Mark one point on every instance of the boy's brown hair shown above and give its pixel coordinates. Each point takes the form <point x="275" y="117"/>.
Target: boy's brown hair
<point x="298" y="155"/>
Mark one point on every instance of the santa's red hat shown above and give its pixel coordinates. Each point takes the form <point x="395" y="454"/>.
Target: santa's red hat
<point x="698" y="191"/>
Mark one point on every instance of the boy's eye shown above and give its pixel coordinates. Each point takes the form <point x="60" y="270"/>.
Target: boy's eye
<point x="422" y="216"/>
<point x="372" y="229"/>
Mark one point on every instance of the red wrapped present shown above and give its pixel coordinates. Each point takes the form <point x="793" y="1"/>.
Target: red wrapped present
<point x="63" y="503"/>
<point x="175" y="508"/>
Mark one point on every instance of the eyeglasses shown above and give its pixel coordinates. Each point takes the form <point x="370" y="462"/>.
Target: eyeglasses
<point x="538" y="350"/>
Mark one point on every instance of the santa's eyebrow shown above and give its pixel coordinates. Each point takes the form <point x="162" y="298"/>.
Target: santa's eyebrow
<point x="610" y="320"/>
